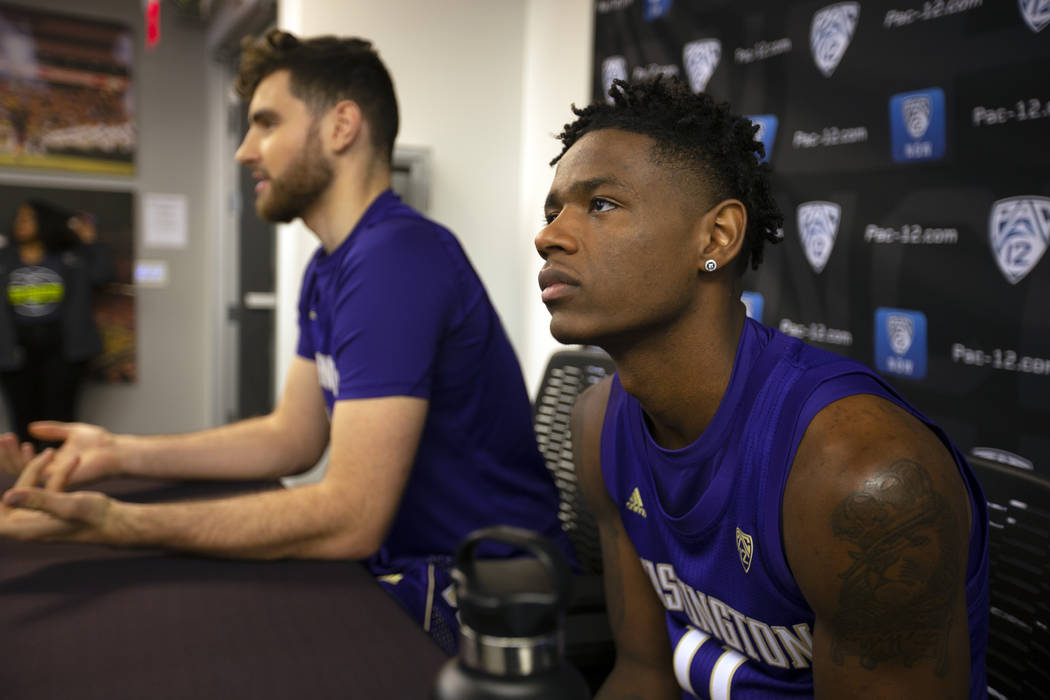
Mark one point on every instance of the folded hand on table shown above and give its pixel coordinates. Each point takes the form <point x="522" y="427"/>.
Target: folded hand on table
<point x="13" y="456"/>
<point x="86" y="454"/>
<point x="28" y="512"/>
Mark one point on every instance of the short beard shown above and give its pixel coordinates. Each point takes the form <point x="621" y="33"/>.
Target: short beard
<point x="302" y="183"/>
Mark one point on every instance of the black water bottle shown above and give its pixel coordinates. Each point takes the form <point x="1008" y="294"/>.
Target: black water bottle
<point x="510" y="632"/>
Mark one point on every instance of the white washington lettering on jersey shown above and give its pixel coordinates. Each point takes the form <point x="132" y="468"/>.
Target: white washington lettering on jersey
<point x="774" y="645"/>
<point x="327" y="374"/>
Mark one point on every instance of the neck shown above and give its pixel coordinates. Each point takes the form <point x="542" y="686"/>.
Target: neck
<point x="680" y="375"/>
<point x="341" y="205"/>
<point x="31" y="251"/>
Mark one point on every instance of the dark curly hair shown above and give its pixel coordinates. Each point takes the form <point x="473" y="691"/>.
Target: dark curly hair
<point x="699" y="134"/>
<point x="325" y="70"/>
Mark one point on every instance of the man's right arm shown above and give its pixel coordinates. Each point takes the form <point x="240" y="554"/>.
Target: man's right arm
<point x="288" y="440"/>
<point x="644" y="667"/>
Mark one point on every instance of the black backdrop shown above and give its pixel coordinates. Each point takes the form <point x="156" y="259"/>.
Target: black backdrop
<point x="910" y="143"/>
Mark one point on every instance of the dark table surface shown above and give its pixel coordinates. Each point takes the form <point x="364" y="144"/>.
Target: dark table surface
<point x="86" y="622"/>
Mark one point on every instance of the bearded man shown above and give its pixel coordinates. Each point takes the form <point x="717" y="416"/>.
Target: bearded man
<point x="402" y="368"/>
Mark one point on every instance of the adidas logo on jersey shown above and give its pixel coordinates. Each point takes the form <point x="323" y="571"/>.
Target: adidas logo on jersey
<point x="634" y="503"/>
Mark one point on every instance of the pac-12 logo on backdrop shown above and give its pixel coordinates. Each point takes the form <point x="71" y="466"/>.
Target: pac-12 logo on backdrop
<point x="900" y="342"/>
<point x="754" y="304"/>
<point x="655" y="9"/>
<point x="917" y="125"/>
<point x="701" y="57"/>
<point x="1036" y="13"/>
<point x="818" y="226"/>
<point x="613" y="68"/>
<point x="767" y="131"/>
<point x="1018" y="231"/>
<point x="831" y="33"/>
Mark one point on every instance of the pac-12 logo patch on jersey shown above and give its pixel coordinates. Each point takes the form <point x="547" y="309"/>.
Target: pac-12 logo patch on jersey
<point x="831" y="33"/>
<point x="745" y="547"/>
<point x="701" y="57"/>
<point x="900" y="342"/>
<point x="613" y="68"/>
<point x="818" y="227"/>
<point x="1018" y="231"/>
<point x="917" y="125"/>
<point x="1036" y="13"/>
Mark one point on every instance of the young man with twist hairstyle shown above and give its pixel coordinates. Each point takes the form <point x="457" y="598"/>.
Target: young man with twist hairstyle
<point x="776" y="521"/>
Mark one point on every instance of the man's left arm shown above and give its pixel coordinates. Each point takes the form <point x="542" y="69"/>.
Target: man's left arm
<point x="345" y="515"/>
<point x="876" y="523"/>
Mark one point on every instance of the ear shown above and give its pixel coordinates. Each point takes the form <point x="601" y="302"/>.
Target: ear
<point x="344" y="125"/>
<point x="725" y="225"/>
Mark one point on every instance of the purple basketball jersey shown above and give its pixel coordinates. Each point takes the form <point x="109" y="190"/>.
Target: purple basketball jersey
<point x="705" y="520"/>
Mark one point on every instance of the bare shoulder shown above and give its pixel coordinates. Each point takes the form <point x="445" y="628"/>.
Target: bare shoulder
<point x="864" y="444"/>
<point x="588" y="415"/>
<point x="876" y="522"/>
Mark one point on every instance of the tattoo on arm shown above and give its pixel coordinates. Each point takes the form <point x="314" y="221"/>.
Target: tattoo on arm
<point x="896" y="599"/>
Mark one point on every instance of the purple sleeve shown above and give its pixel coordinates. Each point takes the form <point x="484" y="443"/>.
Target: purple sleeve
<point x="305" y="347"/>
<point x="394" y="300"/>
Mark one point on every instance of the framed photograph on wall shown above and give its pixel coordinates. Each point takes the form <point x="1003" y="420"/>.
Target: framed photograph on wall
<point x="66" y="92"/>
<point x="69" y="220"/>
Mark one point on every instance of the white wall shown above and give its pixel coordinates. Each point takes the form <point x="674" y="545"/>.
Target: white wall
<point x="483" y="84"/>
<point x="559" y="39"/>
<point x="175" y="331"/>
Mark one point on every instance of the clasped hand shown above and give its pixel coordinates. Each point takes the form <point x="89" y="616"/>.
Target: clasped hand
<point x="87" y="454"/>
<point x="36" y="508"/>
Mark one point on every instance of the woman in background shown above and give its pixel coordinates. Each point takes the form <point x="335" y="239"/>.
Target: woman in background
<point x="48" y="267"/>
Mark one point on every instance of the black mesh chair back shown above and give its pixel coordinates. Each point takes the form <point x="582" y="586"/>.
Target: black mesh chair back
<point x="588" y="639"/>
<point x="568" y="374"/>
<point x="1019" y="553"/>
